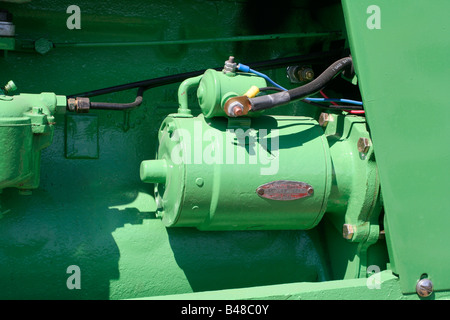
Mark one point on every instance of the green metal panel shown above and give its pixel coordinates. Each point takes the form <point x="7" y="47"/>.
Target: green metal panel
<point x="401" y="52"/>
<point x="361" y="289"/>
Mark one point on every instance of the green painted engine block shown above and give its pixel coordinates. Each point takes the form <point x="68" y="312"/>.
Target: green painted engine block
<point x="191" y="191"/>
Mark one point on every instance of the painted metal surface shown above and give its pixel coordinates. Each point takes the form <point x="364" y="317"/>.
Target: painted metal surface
<point x="214" y="168"/>
<point x="401" y="67"/>
<point x="26" y="127"/>
<point x="95" y="212"/>
<point x="92" y="210"/>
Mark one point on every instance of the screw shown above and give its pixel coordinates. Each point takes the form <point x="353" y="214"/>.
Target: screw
<point x="424" y="288"/>
<point x="348" y="231"/>
<point x="364" y="145"/>
<point x="325" y="118"/>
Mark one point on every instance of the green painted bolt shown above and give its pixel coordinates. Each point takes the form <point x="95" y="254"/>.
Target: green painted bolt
<point x="153" y="171"/>
<point x="199" y="182"/>
<point x="43" y="46"/>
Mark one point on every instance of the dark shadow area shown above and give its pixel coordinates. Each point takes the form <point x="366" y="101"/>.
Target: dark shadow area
<point x="238" y="259"/>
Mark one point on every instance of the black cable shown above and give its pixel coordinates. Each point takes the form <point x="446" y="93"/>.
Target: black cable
<point x="270" y="89"/>
<point x="166" y="80"/>
<point x="338" y="107"/>
<point x="284" y="97"/>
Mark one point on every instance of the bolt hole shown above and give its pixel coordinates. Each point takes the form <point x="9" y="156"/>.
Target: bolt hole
<point x="424" y="276"/>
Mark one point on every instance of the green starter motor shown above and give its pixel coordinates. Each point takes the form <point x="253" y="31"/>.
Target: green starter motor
<point x="259" y="172"/>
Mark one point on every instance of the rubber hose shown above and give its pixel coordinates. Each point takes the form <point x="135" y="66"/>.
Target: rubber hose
<point x="281" y="98"/>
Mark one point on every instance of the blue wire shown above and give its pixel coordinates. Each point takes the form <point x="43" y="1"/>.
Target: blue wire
<point x="268" y="79"/>
<point x="245" y="68"/>
<point x="359" y="103"/>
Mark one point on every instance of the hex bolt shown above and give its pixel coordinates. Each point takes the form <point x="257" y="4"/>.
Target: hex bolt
<point x="364" y="145"/>
<point x="424" y="287"/>
<point x="325" y="118"/>
<point x="230" y="66"/>
<point x="348" y="231"/>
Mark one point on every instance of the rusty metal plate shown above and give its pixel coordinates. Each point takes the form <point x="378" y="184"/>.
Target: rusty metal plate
<point x="285" y="190"/>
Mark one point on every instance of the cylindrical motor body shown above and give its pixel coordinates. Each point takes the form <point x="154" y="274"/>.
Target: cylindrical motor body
<point x="267" y="173"/>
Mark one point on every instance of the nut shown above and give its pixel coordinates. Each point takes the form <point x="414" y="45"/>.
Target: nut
<point x="72" y="104"/>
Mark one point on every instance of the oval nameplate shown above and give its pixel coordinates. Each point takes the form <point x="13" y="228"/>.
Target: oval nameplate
<point x="285" y="190"/>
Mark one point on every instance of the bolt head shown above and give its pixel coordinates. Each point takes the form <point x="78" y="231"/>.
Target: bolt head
<point x="348" y="231"/>
<point x="424" y="288"/>
<point x="364" y="145"/>
<point x="325" y="118"/>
